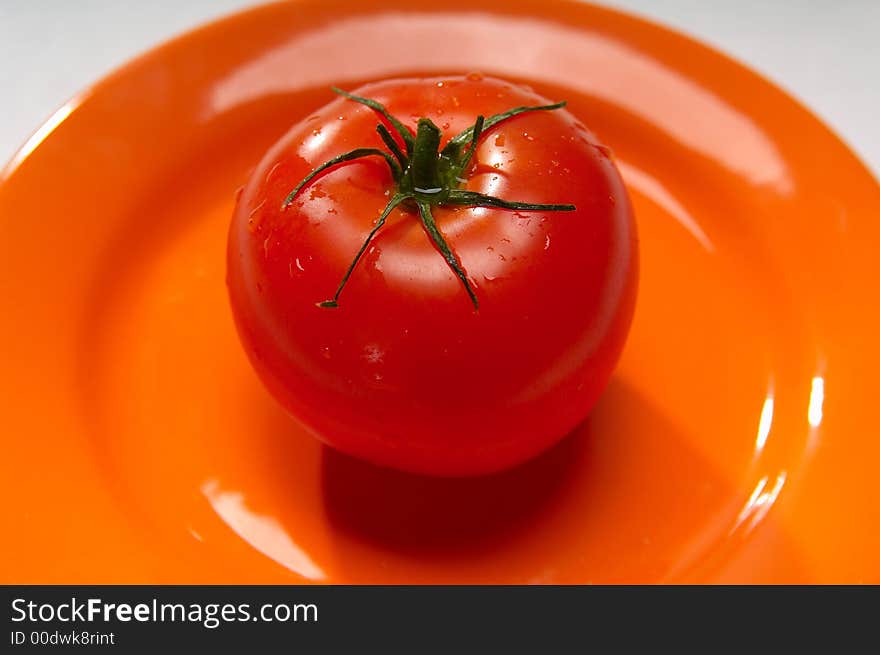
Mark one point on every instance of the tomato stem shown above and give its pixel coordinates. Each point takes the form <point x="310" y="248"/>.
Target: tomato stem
<point x="357" y="153"/>
<point x="396" y="200"/>
<point x="404" y="133"/>
<point x="478" y="130"/>
<point x="423" y="171"/>
<point x="474" y="199"/>
<point x="392" y="145"/>
<point x="425" y="176"/>
<point x="440" y="242"/>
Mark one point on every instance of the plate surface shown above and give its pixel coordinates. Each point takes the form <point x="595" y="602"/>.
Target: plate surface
<point x="736" y="443"/>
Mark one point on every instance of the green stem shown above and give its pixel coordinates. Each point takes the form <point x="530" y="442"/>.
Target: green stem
<point x="396" y="200"/>
<point x="475" y="137"/>
<point x="465" y="136"/>
<point x="428" y="177"/>
<point x="392" y="146"/>
<point x="424" y="158"/>
<point x="404" y="133"/>
<point x="434" y="232"/>
<point x="474" y="199"/>
<point x="357" y="153"/>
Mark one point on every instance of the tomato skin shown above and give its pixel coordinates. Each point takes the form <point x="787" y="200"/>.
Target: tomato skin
<point x="405" y="373"/>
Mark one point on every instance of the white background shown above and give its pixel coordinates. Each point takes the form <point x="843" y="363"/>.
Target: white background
<point x="825" y="52"/>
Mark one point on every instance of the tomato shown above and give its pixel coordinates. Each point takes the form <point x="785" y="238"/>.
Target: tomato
<point x="465" y="339"/>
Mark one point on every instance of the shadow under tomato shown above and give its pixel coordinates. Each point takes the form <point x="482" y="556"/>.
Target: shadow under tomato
<point x="430" y="515"/>
<point x="625" y="497"/>
<point x="582" y="479"/>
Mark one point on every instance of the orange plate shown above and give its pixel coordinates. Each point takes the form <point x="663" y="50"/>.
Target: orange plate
<point x="736" y="443"/>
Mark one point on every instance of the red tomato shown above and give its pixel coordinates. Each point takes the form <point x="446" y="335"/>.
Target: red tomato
<point x="408" y="371"/>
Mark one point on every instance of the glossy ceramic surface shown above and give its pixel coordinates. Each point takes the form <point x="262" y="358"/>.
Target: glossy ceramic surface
<point x="737" y="441"/>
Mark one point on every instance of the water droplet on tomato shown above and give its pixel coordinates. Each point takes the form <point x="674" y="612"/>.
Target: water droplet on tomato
<point x="528" y="137"/>
<point x="488" y="277"/>
<point x="254" y="216"/>
<point x="499" y="140"/>
<point x="325" y="352"/>
<point x="547" y="243"/>
<point x="605" y="151"/>
<point x="440" y="85"/>
<point x="299" y="265"/>
<point x="373" y="353"/>
<point x="238" y="193"/>
<point x="490" y="249"/>
<point x="475" y="77"/>
<point x="272" y="171"/>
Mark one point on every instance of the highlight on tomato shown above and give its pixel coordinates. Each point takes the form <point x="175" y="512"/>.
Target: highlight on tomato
<point x="435" y="274"/>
